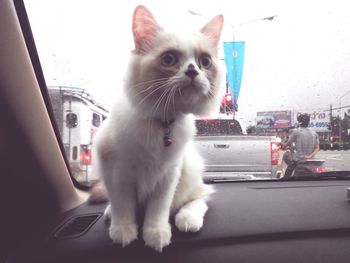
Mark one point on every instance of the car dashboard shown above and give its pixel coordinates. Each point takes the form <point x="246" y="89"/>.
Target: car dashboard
<point x="261" y="221"/>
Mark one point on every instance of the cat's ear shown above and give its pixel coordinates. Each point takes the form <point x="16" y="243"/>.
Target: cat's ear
<point x="144" y="28"/>
<point x="213" y="28"/>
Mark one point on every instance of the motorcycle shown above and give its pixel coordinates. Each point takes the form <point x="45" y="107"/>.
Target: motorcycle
<point x="307" y="167"/>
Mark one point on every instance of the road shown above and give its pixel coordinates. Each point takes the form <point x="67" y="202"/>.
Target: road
<point x="335" y="160"/>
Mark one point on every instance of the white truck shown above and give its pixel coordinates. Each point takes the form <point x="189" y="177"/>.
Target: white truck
<point x="78" y="117"/>
<point x="230" y="154"/>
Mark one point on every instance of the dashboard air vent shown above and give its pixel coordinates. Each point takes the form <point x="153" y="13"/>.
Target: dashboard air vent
<point x="76" y="226"/>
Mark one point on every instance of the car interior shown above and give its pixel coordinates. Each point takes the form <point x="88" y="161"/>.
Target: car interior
<point x="46" y="216"/>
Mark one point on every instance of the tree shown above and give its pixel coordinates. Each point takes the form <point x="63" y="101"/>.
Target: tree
<point x="335" y="121"/>
<point x="345" y="127"/>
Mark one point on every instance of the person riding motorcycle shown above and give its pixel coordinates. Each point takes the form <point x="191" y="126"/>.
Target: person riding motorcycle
<point x="305" y="142"/>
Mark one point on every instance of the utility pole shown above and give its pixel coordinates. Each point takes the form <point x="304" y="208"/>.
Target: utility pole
<point x="330" y="118"/>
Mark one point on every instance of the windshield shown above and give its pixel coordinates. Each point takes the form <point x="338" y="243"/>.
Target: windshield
<point x="279" y="60"/>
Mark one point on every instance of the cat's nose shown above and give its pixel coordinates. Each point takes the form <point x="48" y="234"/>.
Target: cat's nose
<point x="191" y="71"/>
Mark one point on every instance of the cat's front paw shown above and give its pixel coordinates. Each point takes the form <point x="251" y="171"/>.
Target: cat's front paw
<point x="188" y="221"/>
<point x="123" y="234"/>
<point x="157" y="237"/>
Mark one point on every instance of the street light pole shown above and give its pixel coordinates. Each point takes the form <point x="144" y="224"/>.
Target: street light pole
<point x="268" y="18"/>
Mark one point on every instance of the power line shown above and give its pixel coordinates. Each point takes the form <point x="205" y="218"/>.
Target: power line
<point x="337" y="108"/>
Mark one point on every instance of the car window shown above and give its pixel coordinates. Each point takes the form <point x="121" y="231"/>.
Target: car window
<point x="279" y="60"/>
<point x="217" y="127"/>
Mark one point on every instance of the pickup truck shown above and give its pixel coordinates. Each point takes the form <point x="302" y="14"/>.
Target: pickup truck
<point x="229" y="154"/>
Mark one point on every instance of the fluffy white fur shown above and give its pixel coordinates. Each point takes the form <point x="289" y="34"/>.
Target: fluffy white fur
<point x="137" y="169"/>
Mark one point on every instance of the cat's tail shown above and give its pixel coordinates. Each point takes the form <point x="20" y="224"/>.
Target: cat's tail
<point x="207" y="191"/>
<point x="98" y="194"/>
<point x="204" y="191"/>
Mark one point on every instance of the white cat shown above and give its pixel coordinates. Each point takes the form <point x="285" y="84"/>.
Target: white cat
<point x="144" y="151"/>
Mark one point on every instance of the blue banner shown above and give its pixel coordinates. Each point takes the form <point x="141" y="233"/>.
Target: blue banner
<point x="234" y="58"/>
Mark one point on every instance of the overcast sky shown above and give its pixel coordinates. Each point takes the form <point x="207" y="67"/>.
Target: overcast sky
<point x="300" y="60"/>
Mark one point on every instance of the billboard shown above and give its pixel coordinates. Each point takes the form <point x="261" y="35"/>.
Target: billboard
<point x="319" y="120"/>
<point x="273" y="120"/>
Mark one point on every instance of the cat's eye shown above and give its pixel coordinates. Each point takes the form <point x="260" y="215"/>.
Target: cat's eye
<point x="205" y="61"/>
<point x="168" y="59"/>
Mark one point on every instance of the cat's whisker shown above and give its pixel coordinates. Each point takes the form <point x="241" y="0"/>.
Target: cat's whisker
<point x="166" y="95"/>
<point x="159" y="101"/>
<point x="157" y="86"/>
<point x="148" y="81"/>
<point x="166" y="105"/>
<point x="148" y="95"/>
<point x="167" y="101"/>
<point x="211" y="97"/>
<point x="152" y="86"/>
<point x="210" y="94"/>
<point x="161" y="97"/>
<point x="175" y="81"/>
<point x="210" y="91"/>
<point x="173" y="97"/>
<point x="155" y="83"/>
